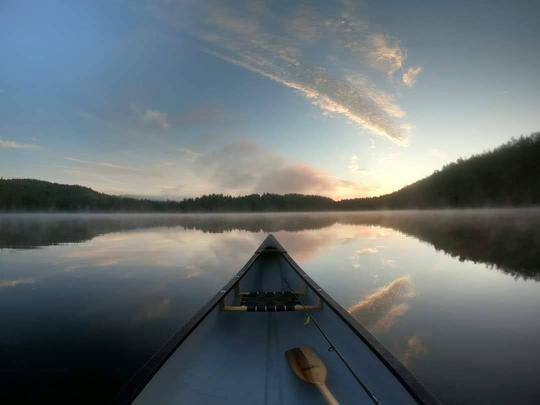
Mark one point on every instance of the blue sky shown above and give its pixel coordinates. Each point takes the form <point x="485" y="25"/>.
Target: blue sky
<point x="346" y="98"/>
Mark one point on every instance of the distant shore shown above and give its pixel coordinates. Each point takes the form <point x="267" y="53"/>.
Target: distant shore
<point x="298" y="212"/>
<point x="502" y="178"/>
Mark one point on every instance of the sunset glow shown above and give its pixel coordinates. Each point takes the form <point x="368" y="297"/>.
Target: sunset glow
<point x="179" y="99"/>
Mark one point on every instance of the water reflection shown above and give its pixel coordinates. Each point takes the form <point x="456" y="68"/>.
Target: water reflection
<point x="508" y="240"/>
<point x="16" y="282"/>
<point x="86" y="299"/>
<point x="380" y="310"/>
<point x="79" y="319"/>
<point x="413" y="349"/>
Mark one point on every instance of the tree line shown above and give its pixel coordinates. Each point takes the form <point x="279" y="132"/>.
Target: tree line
<point x="506" y="176"/>
<point x="36" y="195"/>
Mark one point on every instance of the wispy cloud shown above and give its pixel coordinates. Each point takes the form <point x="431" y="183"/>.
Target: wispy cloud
<point x="152" y="117"/>
<point x="10" y="144"/>
<point x="409" y="77"/>
<point x="355" y="100"/>
<point x="354" y="165"/>
<point x="319" y="54"/>
<point x="187" y="153"/>
<point x="108" y="168"/>
<point x="380" y="51"/>
<point x="156" y="117"/>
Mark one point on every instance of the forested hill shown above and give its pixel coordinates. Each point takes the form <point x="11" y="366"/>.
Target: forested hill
<point x="506" y="176"/>
<point x="35" y="195"/>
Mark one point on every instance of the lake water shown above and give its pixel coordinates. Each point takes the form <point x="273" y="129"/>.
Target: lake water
<point x="85" y="300"/>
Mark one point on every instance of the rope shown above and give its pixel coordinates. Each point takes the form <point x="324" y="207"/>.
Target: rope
<point x="332" y="347"/>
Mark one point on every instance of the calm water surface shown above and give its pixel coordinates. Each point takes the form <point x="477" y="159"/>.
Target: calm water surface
<point x="85" y="300"/>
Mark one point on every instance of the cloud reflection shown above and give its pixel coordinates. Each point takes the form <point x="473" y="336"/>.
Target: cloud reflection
<point x="155" y="310"/>
<point x="366" y="251"/>
<point x="381" y="309"/>
<point x="413" y="349"/>
<point x="16" y="282"/>
<point x="308" y="234"/>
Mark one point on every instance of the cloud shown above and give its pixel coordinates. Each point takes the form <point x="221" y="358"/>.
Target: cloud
<point x="107" y="168"/>
<point x="385" y="54"/>
<point x="157" y="118"/>
<point x="409" y="77"/>
<point x="187" y="153"/>
<point x="294" y="47"/>
<point x="381" y="99"/>
<point x="305" y="24"/>
<point x="354" y="100"/>
<point x="237" y="168"/>
<point x="354" y="165"/>
<point x="152" y="117"/>
<point x="294" y="178"/>
<point x="298" y="178"/>
<point x="380" y="310"/>
<point x="247" y="167"/>
<point x="10" y="144"/>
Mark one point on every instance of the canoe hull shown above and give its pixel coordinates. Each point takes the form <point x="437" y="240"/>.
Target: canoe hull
<point x="230" y="356"/>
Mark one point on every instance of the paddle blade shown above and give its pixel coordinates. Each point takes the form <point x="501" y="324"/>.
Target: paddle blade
<point x="307" y="365"/>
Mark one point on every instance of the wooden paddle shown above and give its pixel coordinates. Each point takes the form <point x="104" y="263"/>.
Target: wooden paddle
<point x="309" y="367"/>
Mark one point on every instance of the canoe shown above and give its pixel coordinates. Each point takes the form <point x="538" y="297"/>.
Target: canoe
<point x="255" y="337"/>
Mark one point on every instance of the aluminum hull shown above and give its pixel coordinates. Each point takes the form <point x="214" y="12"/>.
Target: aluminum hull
<point x="231" y="352"/>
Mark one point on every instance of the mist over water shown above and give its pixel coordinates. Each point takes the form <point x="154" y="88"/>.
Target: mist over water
<point x="87" y="299"/>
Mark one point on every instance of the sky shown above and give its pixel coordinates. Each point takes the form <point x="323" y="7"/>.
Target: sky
<point x="174" y="99"/>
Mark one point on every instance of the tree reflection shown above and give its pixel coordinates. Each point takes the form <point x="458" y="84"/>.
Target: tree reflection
<point x="506" y="239"/>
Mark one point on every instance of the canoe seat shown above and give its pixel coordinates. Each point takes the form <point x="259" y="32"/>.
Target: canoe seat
<point x="269" y="301"/>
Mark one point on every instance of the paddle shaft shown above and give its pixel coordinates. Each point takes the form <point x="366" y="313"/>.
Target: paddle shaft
<point x="328" y="396"/>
